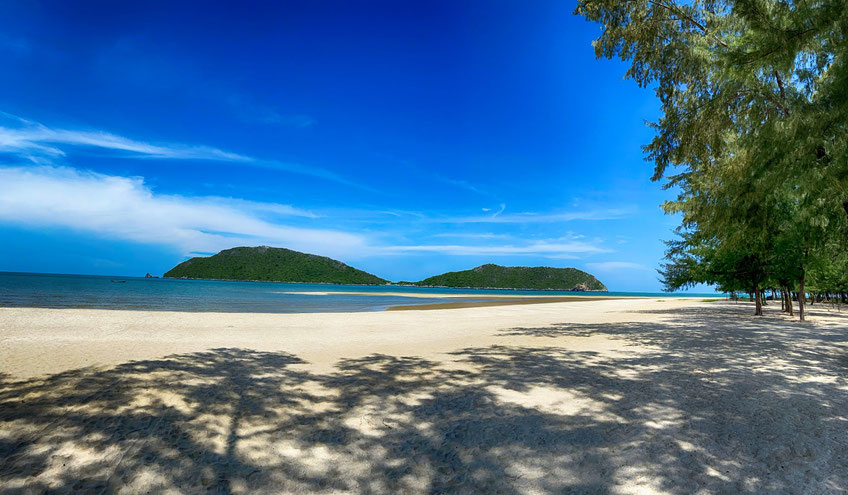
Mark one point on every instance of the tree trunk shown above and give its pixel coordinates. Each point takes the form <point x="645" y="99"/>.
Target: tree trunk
<point x="801" y="294"/>
<point x="782" y="300"/>
<point x="758" y="297"/>
<point x="789" y="302"/>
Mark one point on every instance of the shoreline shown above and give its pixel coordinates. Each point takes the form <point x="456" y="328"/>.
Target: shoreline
<point x="453" y="301"/>
<point x="504" y="301"/>
<point x="43" y="340"/>
<point x="466" y="295"/>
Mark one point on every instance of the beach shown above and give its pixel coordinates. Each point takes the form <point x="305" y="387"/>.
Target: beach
<point x="630" y="396"/>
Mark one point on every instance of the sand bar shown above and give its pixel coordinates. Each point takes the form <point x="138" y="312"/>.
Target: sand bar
<point x="608" y="396"/>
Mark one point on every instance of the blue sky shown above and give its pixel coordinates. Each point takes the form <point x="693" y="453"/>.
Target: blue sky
<point x="405" y="139"/>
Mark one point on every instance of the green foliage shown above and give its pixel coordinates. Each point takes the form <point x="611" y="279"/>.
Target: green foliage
<point x="754" y="133"/>
<point x="517" y="277"/>
<point x="271" y="264"/>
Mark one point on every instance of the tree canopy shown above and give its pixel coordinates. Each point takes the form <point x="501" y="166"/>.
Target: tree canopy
<point x="753" y="135"/>
<point x="263" y="263"/>
<point x="517" y="277"/>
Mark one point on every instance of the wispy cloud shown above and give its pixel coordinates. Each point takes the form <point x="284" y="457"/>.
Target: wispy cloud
<point x="301" y="169"/>
<point x="558" y="217"/>
<point x="31" y="138"/>
<point x="462" y="184"/>
<point x="125" y="208"/>
<point x="40" y="144"/>
<point x="257" y="206"/>
<point x="550" y="248"/>
<point x="429" y="174"/>
<point x="611" y="266"/>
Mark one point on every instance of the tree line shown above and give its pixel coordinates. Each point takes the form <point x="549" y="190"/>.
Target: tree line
<point x="752" y="137"/>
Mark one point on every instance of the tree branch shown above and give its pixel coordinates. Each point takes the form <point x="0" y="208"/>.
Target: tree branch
<point x="782" y="92"/>
<point x="675" y="10"/>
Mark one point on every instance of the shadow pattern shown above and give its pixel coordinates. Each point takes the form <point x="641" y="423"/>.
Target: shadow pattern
<point x="706" y="402"/>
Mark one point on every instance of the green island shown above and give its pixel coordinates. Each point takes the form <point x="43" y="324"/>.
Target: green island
<point x="491" y="276"/>
<point x="269" y="264"/>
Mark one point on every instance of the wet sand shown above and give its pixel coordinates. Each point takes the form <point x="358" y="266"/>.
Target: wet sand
<point x="609" y="396"/>
<point x="429" y="295"/>
<point x="481" y="300"/>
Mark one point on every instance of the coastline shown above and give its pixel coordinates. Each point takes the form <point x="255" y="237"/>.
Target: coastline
<point x="40" y="340"/>
<point x="466" y="295"/>
<point x="487" y="300"/>
<point x="78" y="291"/>
<point x="379" y="285"/>
<point x="502" y="301"/>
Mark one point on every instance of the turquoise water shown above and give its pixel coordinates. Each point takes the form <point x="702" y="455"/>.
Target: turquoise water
<point x="41" y="290"/>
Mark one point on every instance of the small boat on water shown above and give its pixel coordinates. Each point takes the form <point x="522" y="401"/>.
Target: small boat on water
<point x="118" y="281"/>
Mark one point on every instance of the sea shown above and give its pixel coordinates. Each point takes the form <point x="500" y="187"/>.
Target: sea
<point x="43" y="290"/>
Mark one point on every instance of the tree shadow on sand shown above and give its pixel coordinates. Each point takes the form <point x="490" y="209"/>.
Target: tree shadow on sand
<point x="707" y="403"/>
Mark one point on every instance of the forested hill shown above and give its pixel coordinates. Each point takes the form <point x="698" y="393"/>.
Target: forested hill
<point x="517" y="277"/>
<point x="265" y="263"/>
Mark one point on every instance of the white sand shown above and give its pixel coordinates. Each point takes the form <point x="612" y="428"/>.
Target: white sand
<point x="612" y="396"/>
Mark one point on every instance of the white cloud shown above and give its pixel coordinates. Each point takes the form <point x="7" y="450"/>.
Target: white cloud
<point x="611" y="266"/>
<point x="49" y="195"/>
<point x="125" y="208"/>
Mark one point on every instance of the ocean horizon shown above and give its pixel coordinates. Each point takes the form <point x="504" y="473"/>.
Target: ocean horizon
<point x="52" y="290"/>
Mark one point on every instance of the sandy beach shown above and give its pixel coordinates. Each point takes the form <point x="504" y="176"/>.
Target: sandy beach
<point x="628" y="396"/>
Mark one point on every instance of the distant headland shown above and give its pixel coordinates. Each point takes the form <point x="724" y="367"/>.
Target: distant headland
<point x="491" y="276"/>
<point x="269" y="264"/>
